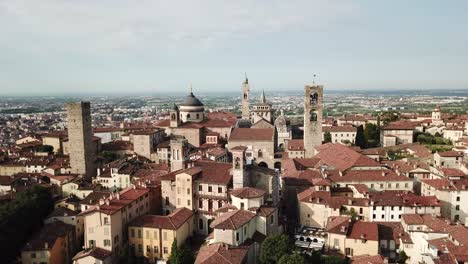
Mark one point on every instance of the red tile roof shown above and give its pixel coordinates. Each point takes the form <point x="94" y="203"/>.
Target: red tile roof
<point x="358" y="176"/>
<point x="247" y="192"/>
<point x="221" y="253"/>
<point x="296" y="144"/>
<point x="450" y="153"/>
<point x="232" y="220"/>
<point x="378" y="259"/>
<point x="172" y="221"/>
<point x="342" y="158"/>
<point x="252" y="134"/>
<point x="364" y="230"/>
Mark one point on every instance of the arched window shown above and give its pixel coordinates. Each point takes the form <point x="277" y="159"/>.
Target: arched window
<point x="237" y="164"/>
<point x="313" y="116"/>
<point x="173" y="116"/>
<point x="198" y="116"/>
<point x="313" y="98"/>
<point x="260" y="154"/>
<point x="188" y="116"/>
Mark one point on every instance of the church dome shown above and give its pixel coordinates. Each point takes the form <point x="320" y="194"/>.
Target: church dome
<point x="191" y="100"/>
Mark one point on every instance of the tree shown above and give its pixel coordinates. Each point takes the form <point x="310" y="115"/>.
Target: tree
<point x="273" y="248"/>
<point x="372" y="134"/>
<point x="360" y="138"/>
<point x="327" y="137"/>
<point x="182" y="255"/>
<point x="109" y="156"/>
<point x="402" y="257"/>
<point x="294" y="258"/>
<point x="21" y="218"/>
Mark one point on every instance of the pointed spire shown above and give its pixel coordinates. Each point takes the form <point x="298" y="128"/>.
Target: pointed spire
<point x="262" y="97"/>
<point x="191" y="90"/>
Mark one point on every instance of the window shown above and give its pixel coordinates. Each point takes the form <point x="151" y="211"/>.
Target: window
<point x="237" y="236"/>
<point x="106" y="220"/>
<point x="92" y="243"/>
<point x="178" y="201"/>
<point x="33" y="255"/>
<point x="242" y="205"/>
<point x="107" y="242"/>
<point x="245" y="230"/>
<point x="200" y="204"/>
<point x="188" y="202"/>
<point x="200" y="188"/>
<point x="155" y="249"/>
<point x="220" y="189"/>
<point x="210" y="189"/>
<point x="139" y="233"/>
<point x="220" y="204"/>
<point x="383" y="216"/>
<point x="200" y="224"/>
<point x="167" y="200"/>
<point x="165" y="250"/>
<point x="373" y="216"/>
<point x="106" y="231"/>
<point x="457" y="207"/>
<point x="406" y="185"/>
<point x="458" y="198"/>
<point x="397" y="185"/>
<point x="140" y="248"/>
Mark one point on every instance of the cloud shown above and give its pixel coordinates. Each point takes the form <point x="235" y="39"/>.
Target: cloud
<point x="111" y="26"/>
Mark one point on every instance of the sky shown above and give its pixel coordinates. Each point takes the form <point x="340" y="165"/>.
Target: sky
<point x="122" y="47"/>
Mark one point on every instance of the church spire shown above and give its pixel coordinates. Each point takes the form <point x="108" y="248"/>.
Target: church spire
<point x="262" y="97"/>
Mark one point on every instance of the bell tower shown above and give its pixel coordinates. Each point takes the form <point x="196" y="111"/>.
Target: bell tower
<point x="239" y="175"/>
<point x="313" y="109"/>
<point x="174" y="117"/>
<point x="245" y="107"/>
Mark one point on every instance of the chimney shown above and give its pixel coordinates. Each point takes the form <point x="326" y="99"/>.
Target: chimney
<point x="117" y="196"/>
<point x="98" y="171"/>
<point x="350" y="202"/>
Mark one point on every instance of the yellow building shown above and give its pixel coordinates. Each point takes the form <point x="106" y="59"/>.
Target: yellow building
<point x="152" y="236"/>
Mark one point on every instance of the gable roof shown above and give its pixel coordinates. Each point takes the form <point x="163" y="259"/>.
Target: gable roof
<point x="232" y="220"/>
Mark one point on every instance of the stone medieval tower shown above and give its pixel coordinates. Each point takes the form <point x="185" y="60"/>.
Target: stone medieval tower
<point x="80" y="139"/>
<point x="313" y="109"/>
<point x="179" y="157"/>
<point x="245" y="107"/>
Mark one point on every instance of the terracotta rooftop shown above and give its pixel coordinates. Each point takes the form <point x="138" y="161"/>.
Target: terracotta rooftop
<point x="172" y="221"/>
<point x="296" y="144"/>
<point x="218" y="253"/>
<point x="450" y="153"/>
<point x="377" y="259"/>
<point x="97" y="253"/>
<point x="341" y="157"/>
<point x="252" y="134"/>
<point x="358" y="176"/>
<point x="247" y="193"/>
<point x="232" y="220"/>
<point x="364" y="230"/>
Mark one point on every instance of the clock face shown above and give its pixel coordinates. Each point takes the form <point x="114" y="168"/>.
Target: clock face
<point x="313" y="98"/>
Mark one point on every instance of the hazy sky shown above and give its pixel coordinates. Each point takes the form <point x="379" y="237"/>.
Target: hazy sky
<point x="85" y="46"/>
